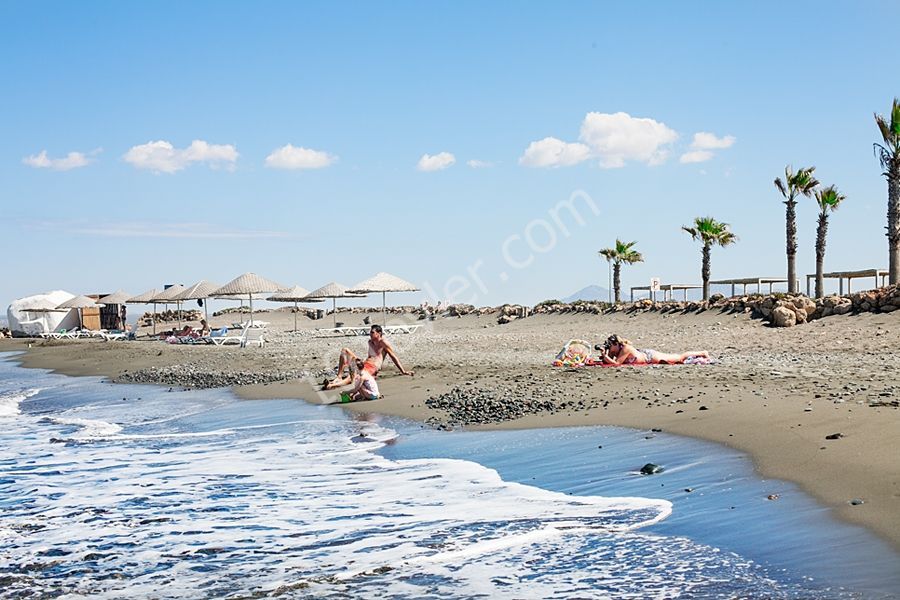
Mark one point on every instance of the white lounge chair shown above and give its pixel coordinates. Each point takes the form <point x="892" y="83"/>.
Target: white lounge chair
<point x="221" y="337"/>
<point x="253" y="336"/>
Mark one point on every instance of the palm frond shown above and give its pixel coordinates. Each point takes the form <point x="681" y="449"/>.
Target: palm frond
<point x="829" y="199"/>
<point x="779" y="184"/>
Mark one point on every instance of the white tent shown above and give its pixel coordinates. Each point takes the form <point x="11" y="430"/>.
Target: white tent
<point x="24" y="322"/>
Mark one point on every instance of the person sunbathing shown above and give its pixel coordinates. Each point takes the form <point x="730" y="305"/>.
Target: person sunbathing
<point x="619" y="351"/>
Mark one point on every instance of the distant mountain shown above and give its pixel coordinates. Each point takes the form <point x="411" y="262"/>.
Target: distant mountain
<point x="591" y="292"/>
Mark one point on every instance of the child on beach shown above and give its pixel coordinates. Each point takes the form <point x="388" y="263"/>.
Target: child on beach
<point x="619" y="351"/>
<point x="364" y="385"/>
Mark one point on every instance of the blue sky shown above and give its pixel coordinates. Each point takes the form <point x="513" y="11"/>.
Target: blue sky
<point x="346" y="99"/>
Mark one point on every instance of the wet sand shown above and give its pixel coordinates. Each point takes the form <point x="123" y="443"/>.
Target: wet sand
<point x="775" y="393"/>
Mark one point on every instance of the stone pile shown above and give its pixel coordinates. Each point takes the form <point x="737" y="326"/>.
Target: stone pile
<point x="782" y="310"/>
<point x="168" y="316"/>
<point x="469" y="405"/>
<point x="190" y="376"/>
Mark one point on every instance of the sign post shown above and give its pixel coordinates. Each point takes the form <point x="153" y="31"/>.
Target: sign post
<point x="654" y="287"/>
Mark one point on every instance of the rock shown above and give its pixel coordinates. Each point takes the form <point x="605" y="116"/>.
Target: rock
<point x="842" y="309"/>
<point x="651" y="469"/>
<point x="784" y="317"/>
<point x="834" y="436"/>
<point x="857" y="501"/>
<point x="885" y="308"/>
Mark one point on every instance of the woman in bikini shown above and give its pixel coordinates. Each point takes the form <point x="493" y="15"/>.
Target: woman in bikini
<point x="619" y="351"/>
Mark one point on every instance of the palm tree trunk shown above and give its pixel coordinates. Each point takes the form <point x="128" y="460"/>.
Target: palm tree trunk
<point x="705" y="271"/>
<point x="821" y="232"/>
<point x="791" y="244"/>
<point x="617" y="283"/>
<point x="893" y="226"/>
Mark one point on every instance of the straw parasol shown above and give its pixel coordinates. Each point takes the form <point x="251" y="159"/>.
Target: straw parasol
<point x="199" y="291"/>
<point x="331" y="290"/>
<point x="146" y="298"/>
<point x="80" y="302"/>
<point x="383" y="282"/>
<point x="168" y="295"/>
<point x="248" y="283"/>
<point x="120" y="297"/>
<point x="295" y="294"/>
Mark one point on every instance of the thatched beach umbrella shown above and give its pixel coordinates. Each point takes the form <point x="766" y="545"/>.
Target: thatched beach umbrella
<point x="201" y="290"/>
<point x="120" y="297"/>
<point x="146" y="298"/>
<point x="331" y="290"/>
<point x="168" y="295"/>
<point x="80" y="303"/>
<point x="383" y="282"/>
<point x="295" y="294"/>
<point x="250" y="284"/>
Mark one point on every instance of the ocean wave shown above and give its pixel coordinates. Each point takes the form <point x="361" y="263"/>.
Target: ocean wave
<point x="10" y="400"/>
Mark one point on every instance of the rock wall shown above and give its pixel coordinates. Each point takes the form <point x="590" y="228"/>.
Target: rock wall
<point x="782" y="310"/>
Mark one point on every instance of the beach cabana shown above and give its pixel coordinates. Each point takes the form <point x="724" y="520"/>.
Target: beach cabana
<point x="295" y="294"/>
<point x="146" y="298"/>
<point x="334" y="291"/>
<point x="79" y="303"/>
<point x="115" y="299"/>
<point x="249" y="284"/>
<point x="201" y="290"/>
<point x="384" y="283"/>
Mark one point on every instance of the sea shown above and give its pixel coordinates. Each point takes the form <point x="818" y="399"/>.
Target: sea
<point x="133" y="491"/>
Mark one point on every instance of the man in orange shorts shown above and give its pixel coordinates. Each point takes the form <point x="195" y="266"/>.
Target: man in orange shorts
<point x="379" y="348"/>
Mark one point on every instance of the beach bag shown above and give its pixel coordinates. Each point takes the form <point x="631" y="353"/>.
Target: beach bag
<point x="576" y="353"/>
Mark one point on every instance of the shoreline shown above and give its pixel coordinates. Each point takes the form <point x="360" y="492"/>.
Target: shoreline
<point x="777" y="404"/>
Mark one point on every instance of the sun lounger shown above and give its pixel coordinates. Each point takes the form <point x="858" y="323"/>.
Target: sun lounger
<point x="221" y="337"/>
<point x="253" y="336"/>
<point x="116" y="334"/>
<point x="390" y="329"/>
<point x="365" y="329"/>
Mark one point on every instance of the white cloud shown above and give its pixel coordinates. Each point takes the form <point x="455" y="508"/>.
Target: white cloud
<point x="618" y="138"/>
<point x="479" y="164"/>
<point x="72" y="160"/>
<point x="162" y="157"/>
<point x="437" y="162"/>
<point x="695" y="156"/>
<point x="702" y="146"/>
<point x="612" y="138"/>
<point x="291" y="157"/>
<point x="709" y="141"/>
<point x="553" y="152"/>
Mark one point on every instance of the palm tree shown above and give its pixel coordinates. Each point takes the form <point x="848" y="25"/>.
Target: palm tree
<point x="794" y="184"/>
<point x="828" y="200"/>
<point x="889" y="156"/>
<point x="710" y="233"/>
<point x="621" y="253"/>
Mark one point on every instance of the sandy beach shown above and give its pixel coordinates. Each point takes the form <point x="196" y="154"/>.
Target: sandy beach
<point x="776" y="394"/>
